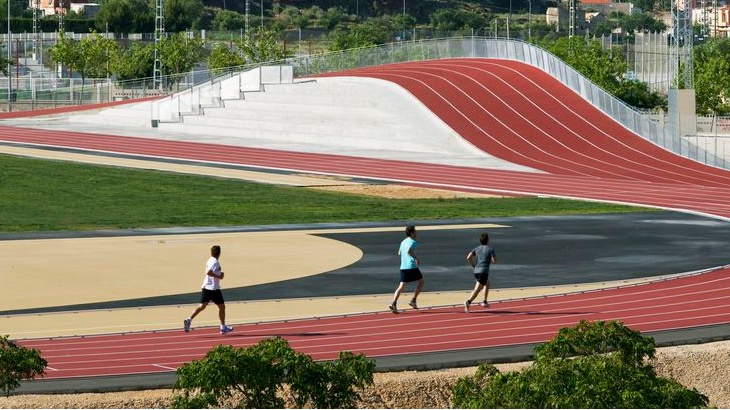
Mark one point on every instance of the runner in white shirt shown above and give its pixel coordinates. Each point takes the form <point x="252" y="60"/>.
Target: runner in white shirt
<point x="211" y="291"/>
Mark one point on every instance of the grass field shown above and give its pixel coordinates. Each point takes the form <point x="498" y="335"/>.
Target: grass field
<point x="42" y="195"/>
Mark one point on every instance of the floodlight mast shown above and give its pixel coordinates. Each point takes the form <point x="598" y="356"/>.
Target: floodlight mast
<point x="10" y="59"/>
<point x="159" y="34"/>
<point x="571" y="17"/>
<point x="37" y="32"/>
<point x="247" y="12"/>
<point x="682" y="47"/>
<point x="61" y="15"/>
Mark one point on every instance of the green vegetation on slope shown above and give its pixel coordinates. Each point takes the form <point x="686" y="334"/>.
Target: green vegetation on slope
<point x="40" y="195"/>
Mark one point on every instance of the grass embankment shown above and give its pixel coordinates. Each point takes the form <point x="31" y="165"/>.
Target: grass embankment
<point x="42" y="195"/>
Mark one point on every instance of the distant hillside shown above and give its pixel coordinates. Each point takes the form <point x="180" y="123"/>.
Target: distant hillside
<point x="420" y="9"/>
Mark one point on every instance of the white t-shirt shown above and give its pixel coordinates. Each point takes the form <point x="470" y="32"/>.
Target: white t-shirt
<point x="212" y="282"/>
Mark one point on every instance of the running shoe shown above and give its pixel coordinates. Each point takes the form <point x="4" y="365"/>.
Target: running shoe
<point x="393" y="308"/>
<point x="226" y="329"/>
<point x="466" y="306"/>
<point x="186" y="325"/>
<point x="413" y="304"/>
<point x="485" y="304"/>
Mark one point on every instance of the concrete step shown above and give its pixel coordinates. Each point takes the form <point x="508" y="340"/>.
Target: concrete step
<point x="295" y="136"/>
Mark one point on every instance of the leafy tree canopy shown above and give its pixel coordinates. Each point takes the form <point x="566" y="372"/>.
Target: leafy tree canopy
<point x="587" y="57"/>
<point x="605" y="68"/>
<point x="89" y="57"/>
<point x="226" y="20"/>
<point x="181" y="15"/>
<point x="451" y="20"/>
<point x="134" y="62"/>
<point x="371" y="32"/>
<point x="712" y="76"/>
<point x="125" y="16"/>
<point x="179" y="53"/>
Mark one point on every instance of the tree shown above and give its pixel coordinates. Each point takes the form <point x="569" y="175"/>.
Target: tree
<point x="222" y="56"/>
<point x="226" y="20"/>
<point x="591" y="365"/>
<point x="88" y="57"/>
<point x="178" y="55"/>
<point x="373" y="31"/>
<point x="637" y="94"/>
<point x="449" y="20"/>
<point x="18" y="363"/>
<point x="4" y="61"/>
<point x="606" y="69"/>
<point x="134" y="62"/>
<point x="712" y="77"/>
<point x="17" y="8"/>
<point x="261" y="47"/>
<point x="588" y="58"/>
<point x="181" y="15"/>
<point x="290" y="17"/>
<point x="640" y="22"/>
<point x="333" y="17"/>
<point x="254" y="377"/>
<point x="125" y="16"/>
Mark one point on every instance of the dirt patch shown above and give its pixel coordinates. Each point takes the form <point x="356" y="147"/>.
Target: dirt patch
<point x="404" y="191"/>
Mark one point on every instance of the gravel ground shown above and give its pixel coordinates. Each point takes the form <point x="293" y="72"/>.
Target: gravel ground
<point x="705" y="367"/>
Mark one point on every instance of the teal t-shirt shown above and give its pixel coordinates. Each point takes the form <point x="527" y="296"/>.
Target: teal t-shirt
<point x="406" y="261"/>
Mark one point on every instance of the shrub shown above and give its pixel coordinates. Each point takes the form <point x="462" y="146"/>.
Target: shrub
<point x="18" y="363"/>
<point x="591" y="365"/>
<point x="254" y="377"/>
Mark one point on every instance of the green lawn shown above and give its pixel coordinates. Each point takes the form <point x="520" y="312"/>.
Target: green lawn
<point x="42" y="195"/>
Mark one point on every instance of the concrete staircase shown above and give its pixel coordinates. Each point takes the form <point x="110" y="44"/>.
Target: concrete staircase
<point x="267" y="108"/>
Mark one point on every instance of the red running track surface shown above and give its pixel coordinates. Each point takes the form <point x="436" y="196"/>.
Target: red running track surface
<point x="511" y="110"/>
<point x="684" y="302"/>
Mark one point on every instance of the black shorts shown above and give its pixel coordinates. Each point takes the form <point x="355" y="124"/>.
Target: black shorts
<point x="482" y="278"/>
<point x="410" y="275"/>
<point x="215" y="296"/>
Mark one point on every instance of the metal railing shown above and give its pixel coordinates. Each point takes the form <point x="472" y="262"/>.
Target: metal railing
<point x="511" y="49"/>
<point x="212" y="93"/>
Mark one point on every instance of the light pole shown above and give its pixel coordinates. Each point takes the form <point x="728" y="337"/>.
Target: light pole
<point x="509" y="18"/>
<point x="10" y="58"/>
<point x="261" y="6"/>
<point x="403" y="38"/>
<point x="529" y="20"/>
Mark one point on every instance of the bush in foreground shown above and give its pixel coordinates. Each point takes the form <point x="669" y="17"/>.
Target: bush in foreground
<point x="18" y="363"/>
<point x="591" y="365"/>
<point x="255" y="377"/>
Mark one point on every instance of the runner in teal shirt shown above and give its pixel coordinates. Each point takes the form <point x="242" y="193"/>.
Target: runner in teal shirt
<point x="409" y="271"/>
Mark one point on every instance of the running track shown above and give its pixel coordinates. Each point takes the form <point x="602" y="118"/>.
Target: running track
<point x="512" y="111"/>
